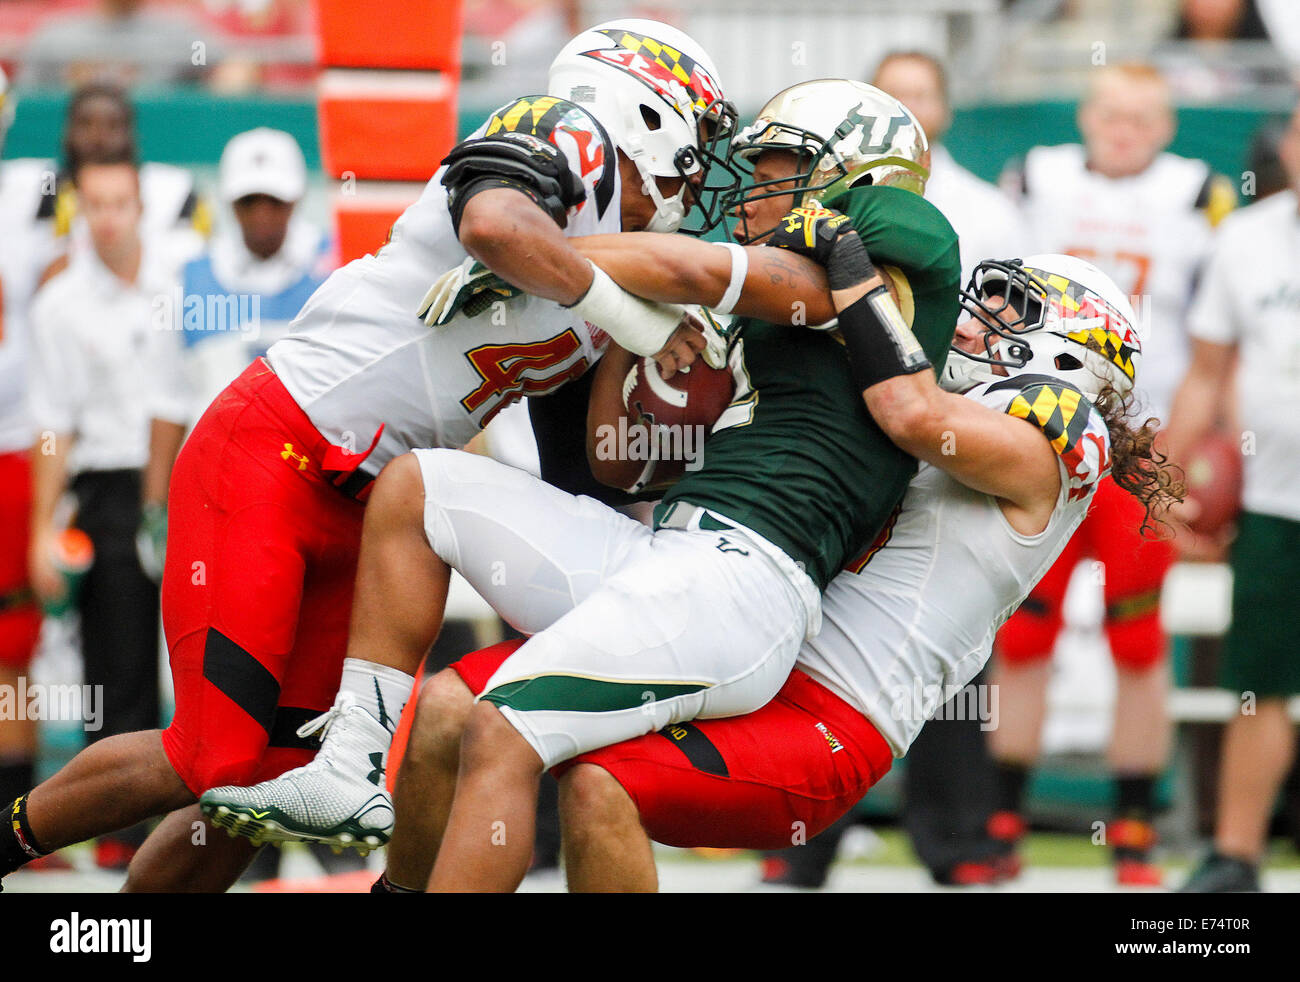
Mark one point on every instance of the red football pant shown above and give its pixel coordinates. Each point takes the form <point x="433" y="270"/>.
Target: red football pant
<point x="1134" y="567"/>
<point x="20" y="617"/>
<point x="257" y="592"/>
<point x="762" y="781"/>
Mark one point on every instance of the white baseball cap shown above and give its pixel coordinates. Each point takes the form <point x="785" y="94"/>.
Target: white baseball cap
<point x="263" y="161"/>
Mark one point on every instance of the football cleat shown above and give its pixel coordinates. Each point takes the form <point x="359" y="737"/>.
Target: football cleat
<point x="339" y="799"/>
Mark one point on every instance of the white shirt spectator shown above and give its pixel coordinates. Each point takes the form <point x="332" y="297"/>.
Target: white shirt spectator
<point x="99" y="352"/>
<point x="1250" y="297"/>
<point x="987" y="223"/>
<point x="256" y="301"/>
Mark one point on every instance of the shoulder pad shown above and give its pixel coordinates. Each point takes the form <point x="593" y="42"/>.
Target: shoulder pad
<point x="566" y="125"/>
<point x="512" y="159"/>
<point x="1071" y="424"/>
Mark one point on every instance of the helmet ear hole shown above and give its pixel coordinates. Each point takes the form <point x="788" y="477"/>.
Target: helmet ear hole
<point x="650" y="118"/>
<point x="1068" y="363"/>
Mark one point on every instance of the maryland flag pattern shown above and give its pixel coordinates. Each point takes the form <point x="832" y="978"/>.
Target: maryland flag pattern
<point x="536" y="115"/>
<point x="1103" y="330"/>
<point x="658" y="64"/>
<point x="1076" y="431"/>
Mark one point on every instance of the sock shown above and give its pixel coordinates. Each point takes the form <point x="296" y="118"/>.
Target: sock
<point x="17" y="775"/>
<point x="1011" y="786"/>
<point x="17" y="843"/>
<point x="379" y="690"/>
<point x="1135" y="796"/>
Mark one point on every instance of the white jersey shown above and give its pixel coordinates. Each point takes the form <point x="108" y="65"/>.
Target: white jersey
<point x="988" y="224"/>
<point x="1250" y="297"/>
<point x="1150" y="233"/>
<point x="26" y="248"/>
<point x="912" y="621"/>
<point x="358" y="357"/>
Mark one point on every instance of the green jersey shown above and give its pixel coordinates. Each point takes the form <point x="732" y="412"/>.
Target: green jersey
<point x="796" y="457"/>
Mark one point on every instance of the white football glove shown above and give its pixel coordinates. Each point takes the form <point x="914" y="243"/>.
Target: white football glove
<point x="469" y="288"/>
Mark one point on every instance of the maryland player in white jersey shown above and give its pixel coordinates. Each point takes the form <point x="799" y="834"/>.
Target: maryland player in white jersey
<point x="1145" y="217"/>
<point x="267" y="495"/>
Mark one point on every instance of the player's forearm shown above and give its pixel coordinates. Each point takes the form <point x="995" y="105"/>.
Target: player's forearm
<point x="509" y="234"/>
<point x="666" y="268"/>
<point x="987" y="451"/>
<point x="908" y="409"/>
<point x="777" y="286"/>
<point x="604" y="409"/>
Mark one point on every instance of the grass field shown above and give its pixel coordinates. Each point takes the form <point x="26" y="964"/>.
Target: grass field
<point x="875" y="861"/>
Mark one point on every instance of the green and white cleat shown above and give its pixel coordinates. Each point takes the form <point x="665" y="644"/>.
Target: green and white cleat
<point x="339" y="799"/>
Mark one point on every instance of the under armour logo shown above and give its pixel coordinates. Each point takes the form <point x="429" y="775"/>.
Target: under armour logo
<point x="288" y="454"/>
<point x="376" y="777"/>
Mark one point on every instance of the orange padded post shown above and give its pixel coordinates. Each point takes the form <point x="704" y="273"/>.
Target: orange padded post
<point x="420" y="34"/>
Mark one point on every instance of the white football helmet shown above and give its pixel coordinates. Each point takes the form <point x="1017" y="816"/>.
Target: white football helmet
<point x="1052" y="315"/>
<point x="656" y="93"/>
<point x="851" y="133"/>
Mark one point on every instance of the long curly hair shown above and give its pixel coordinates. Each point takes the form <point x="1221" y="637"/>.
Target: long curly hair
<point x="1135" y="463"/>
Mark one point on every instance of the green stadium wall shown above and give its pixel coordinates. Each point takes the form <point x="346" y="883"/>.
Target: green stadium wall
<point x="191" y="127"/>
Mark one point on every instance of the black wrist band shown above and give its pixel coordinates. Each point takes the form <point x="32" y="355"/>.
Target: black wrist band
<point x="880" y="344"/>
<point x="848" y="264"/>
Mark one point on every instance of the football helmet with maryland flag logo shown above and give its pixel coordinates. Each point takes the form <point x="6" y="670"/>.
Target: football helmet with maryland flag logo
<point x="656" y="93"/>
<point x="1052" y="315"/>
<point x="847" y="134"/>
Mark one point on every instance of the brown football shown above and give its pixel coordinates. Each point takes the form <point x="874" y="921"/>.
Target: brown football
<point x="1213" y="478"/>
<point x="693" y="397"/>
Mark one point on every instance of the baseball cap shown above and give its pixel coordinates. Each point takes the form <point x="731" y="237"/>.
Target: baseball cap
<point x="262" y="161"/>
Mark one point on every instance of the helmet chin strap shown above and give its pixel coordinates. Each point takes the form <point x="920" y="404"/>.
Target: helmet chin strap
<point x="669" y="212"/>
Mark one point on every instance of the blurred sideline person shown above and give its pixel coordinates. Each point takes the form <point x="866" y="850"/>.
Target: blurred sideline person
<point x="946" y="797"/>
<point x="91" y="384"/>
<point x="25" y="248"/>
<point x="100" y="122"/>
<point x="1248" y="313"/>
<point x="269" y="252"/>
<point x="1145" y="217"/>
<point x="267" y="497"/>
<point x="237" y="298"/>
